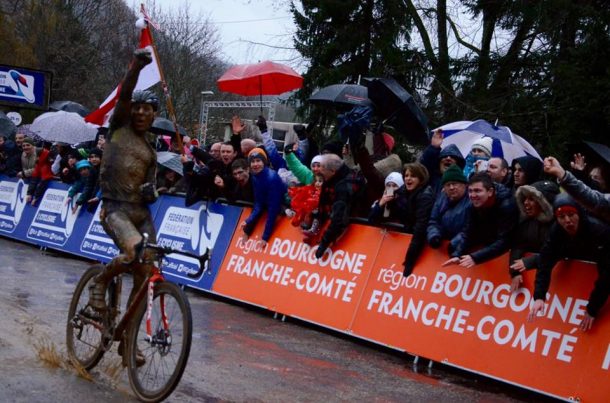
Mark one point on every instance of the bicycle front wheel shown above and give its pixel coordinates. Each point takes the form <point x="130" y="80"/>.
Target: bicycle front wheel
<point x="84" y="338"/>
<point x="166" y="354"/>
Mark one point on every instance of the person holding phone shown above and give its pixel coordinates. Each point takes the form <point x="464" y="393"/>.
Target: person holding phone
<point x="384" y="209"/>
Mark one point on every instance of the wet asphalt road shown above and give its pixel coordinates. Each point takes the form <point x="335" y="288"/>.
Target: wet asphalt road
<point x="239" y="354"/>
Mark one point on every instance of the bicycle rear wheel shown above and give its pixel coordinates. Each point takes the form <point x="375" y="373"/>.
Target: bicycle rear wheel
<point x="83" y="339"/>
<point x="167" y="353"/>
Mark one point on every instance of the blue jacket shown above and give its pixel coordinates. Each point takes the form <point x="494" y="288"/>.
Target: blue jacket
<point x="447" y="220"/>
<point x="489" y="227"/>
<point x="269" y="190"/>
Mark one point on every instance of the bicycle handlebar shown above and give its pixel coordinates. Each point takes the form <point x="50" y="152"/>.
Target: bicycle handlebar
<point x="166" y="250"/>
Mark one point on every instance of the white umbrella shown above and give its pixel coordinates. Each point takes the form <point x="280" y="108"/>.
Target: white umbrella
<point x="63" y="127"/>
<point x="170" y="160"/>
<point x="505" y="143"/>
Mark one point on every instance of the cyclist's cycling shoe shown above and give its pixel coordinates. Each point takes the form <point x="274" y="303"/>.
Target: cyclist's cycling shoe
<point x="97" y="296"/>
<point x="140" y="359"/>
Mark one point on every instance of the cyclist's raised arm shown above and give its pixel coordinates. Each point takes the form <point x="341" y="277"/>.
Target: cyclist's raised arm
<point x="122" y="109"/>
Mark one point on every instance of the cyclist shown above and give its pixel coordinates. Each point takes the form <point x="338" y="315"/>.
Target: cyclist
<point x="127" y="182"/>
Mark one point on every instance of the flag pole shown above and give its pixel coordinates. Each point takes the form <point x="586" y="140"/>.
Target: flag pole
<point x="168" y="97"/>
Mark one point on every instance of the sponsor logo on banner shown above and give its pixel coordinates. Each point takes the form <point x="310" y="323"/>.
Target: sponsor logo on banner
<point x="17" y="85"/>
<point x="96" y="242"/>
<point x="188" y="230"/>
<point x="54" y="220"/>
<point x="12" y="203"/>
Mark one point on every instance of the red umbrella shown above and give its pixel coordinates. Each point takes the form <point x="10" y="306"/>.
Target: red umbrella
<point x="264" y="78"/>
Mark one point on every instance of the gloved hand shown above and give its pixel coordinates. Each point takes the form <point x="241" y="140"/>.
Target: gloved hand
<point x="321" y="249"/>
<point x="261" y="123"/>
<point x="300" y="131"/>
<point x="435" y="242"/>
<point x="289" y="148"/>
<point x="149" y="193"/>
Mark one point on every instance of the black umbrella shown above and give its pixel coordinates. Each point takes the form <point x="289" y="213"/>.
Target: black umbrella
<point x="166" y="126"/>
<point x="342" y="94"/>
<point x="595" y="153"/>
<point x="7" y="127"/>
<point x="398" y="109"/>
<point x="69" y="106"/>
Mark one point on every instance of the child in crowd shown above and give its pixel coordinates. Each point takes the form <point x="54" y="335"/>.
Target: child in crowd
<point x="479" y="155"/>
<point x="41" y="175"/>
<point x="304" y="201"/>
<point x="84" y="168"/>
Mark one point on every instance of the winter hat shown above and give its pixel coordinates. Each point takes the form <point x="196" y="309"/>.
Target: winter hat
<point x="565" y="203"/>
<point x="544" y="193"/>
<point x="97" y="152"/>
<point x="317" y="158"/>
<point x="396" y="178"/>
<point x="257" y="153"/>
<point x="484" y="144"/>
<point x="29" y="141"/>
<point x="453" y="174"/>
<point x="83" y="164"/>
<point x="453" y="151"/>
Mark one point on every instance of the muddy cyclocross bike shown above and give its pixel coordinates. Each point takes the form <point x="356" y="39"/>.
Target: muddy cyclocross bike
<point x="156" y="326"/>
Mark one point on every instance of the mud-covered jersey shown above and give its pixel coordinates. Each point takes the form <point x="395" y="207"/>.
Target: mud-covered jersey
<point x="129" y="162"/>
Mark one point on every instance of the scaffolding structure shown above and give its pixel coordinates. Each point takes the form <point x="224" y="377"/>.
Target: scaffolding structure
<point x="205" y="110"/>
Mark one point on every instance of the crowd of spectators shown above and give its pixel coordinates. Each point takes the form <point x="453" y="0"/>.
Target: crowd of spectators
<point x="475" y="207"/>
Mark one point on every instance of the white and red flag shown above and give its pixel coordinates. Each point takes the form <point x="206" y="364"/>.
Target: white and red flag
<point x="149" y="76"/>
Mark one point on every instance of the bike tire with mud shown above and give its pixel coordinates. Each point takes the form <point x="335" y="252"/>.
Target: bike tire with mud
<point x="166" y="358"/>
<point x="84" y="342"/>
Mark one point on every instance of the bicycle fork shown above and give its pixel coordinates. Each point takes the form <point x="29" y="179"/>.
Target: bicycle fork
<point x="156" y="277"/>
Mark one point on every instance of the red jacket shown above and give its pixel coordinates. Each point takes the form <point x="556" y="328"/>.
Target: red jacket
<point x="42" y="169"/>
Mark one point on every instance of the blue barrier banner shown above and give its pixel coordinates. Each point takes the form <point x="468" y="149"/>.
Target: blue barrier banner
<point x="15" y="214"/>
<point x="194" y="229"/>
<point x="53" y="222"/>
<point x="96" y="244"/>
<point x="12" y="204"/>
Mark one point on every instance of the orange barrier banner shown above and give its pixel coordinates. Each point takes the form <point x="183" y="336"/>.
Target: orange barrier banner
<point x="470" y="319"/>
<point x="286" y="277"/>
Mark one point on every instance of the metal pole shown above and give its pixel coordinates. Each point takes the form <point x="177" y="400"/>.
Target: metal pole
<point x="203" y="131"/>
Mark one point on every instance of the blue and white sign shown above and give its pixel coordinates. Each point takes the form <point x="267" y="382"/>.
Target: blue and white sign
<point x="54" y="221"/>
<point x="194" y="229"/>
<point x="24" y="87"/>
<point x="12" y="203"/>
<point x="96" y="242"/>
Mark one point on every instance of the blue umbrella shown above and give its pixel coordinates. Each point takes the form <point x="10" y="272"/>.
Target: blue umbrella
<point x="505" y="143"/>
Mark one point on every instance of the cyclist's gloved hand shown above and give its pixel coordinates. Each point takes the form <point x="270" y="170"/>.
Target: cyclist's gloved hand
<point x="149" y="193"/>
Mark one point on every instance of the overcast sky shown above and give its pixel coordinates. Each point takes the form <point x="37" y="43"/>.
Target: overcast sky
<point x="241" y="23"/>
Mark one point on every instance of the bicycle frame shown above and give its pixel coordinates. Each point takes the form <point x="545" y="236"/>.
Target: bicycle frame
<point x="147" y="287"/>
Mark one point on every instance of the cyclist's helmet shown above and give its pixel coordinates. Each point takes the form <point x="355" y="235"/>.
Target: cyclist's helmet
<point x="145" y="97"/>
